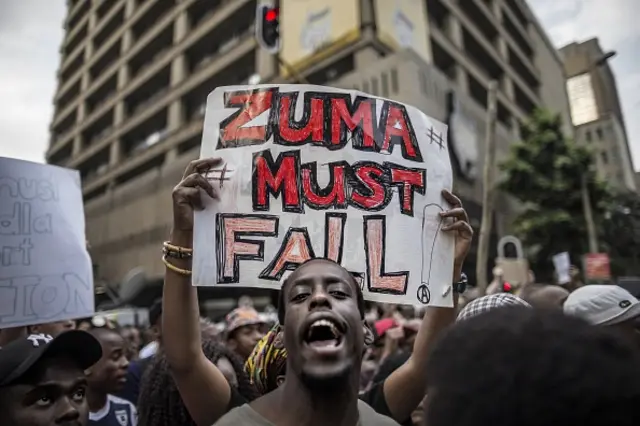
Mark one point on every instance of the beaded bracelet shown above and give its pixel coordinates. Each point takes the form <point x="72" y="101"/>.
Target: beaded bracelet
<point x="176" y="252"/>
<point x="174" y="268"/>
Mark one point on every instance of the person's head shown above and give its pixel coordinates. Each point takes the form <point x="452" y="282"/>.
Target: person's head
<point x="160" y="404"/>
<point x="321" y="310"/>
<point x="607" y="306"/>
<point x="84" y="325"/>
<point x="155" y="320"/>
<point x="109" y="374"/>
<point x="380" y="327"/>
<point x="244" y="330"/>
<point x="485" y="304"/>
<point x="544" y="296"/>
<point x="266" y="365"/>
<point x="208" y="329"/>
<point x="132" y="335"/>
<point x="53" y="328"/>
<point x="528" y="367"/>
<point x="42" y="381"/>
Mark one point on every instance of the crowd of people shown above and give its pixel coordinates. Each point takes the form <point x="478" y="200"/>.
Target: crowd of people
<point x="538" y="356"/>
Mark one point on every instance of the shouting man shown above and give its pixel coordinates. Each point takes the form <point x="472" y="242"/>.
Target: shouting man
<point x="321" y="310"/>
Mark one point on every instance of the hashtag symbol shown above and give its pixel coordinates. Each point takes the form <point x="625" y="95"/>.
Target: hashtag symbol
<point x="436" y="137"/>
<point x="220" y="175"/>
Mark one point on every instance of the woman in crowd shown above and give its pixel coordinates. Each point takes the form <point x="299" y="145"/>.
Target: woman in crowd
<point x="160" y="403"/>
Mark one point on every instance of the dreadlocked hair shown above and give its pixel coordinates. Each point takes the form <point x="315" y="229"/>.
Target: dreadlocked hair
<point x="159" y="402"/>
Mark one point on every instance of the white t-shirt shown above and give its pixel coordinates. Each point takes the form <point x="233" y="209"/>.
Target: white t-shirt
<point x="149" y="350"/>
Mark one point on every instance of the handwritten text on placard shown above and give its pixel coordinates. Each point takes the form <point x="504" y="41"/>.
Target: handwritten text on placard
<point x="312" y="171"/>
<point x="45" y="271"/>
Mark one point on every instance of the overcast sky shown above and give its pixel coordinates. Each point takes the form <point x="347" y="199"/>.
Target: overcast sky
<point x="31" y="32"/>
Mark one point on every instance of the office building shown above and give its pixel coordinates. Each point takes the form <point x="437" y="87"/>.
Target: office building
<point x="596" y="112"/>
<point x="135" y="75"/>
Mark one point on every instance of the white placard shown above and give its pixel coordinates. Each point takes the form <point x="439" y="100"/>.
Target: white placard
<point x="312" y="171"/>
<point x="45" y="270"/>
<point x="562" y="265"/>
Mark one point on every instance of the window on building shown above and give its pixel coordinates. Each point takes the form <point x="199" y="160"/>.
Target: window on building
<point x="587" y="135"/>
<point x="582" y="101"/>
<point x="394" y="80"/>
<point x="599" y="134"/>
<point x="605" y="158"/>
<point x="422" y="79"/>
<point x="385" y="85"/>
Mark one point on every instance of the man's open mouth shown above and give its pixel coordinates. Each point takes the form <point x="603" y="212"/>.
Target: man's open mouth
<point x="323" y="333"/>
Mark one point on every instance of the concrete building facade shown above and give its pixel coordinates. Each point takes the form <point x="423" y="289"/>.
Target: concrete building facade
<point x="135" y="75"/>
<point x="596" y="112"/>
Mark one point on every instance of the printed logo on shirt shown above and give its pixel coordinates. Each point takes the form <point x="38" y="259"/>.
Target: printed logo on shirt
<point x="122" y="417"/>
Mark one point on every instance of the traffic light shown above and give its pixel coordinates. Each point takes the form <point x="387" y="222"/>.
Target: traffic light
<point x="268" y="27"/>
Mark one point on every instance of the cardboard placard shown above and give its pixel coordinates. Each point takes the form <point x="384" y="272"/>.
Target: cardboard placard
<point x="597" y="267"/>
<point x="45" y="269"/>
<point x="562" y="265"/>
<point x="312" y="171"/>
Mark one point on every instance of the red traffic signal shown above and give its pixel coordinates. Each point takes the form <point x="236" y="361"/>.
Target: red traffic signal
<point x="271" y="14"/>
<point x="268" y="27"/>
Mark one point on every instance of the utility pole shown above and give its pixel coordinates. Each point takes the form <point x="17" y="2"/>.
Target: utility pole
<point x="488" y="189"/>
<point x="588" y="216"/>
<point x="292" y="72"/>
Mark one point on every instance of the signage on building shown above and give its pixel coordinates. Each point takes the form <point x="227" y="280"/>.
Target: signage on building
<point x="403" y="24"/>
<point x="313" y="28"/>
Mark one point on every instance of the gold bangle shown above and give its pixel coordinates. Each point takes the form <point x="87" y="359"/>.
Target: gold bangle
<point x="179" y="249"/>
<point x="174" y="268"/>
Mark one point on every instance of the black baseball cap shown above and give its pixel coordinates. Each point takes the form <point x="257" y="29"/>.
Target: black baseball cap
<point x="19" y="356"/>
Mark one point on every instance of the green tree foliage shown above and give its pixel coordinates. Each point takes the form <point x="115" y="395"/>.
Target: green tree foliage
<point x="544" y="172"/>
<point x="621" y="233"/>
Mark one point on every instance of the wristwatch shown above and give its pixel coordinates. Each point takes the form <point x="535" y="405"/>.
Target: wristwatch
<point x="461" y="285"/>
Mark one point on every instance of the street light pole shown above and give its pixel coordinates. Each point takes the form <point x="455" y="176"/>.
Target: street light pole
<point x="586" y="198"/>
<point x="488" y="189"/>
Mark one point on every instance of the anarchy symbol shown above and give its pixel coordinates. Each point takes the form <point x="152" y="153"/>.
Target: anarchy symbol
<point x="424" y="295"/>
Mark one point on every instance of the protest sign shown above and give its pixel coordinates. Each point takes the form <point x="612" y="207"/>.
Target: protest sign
<point x="313" y="171"/>
<point x="45" y="270"/>
<point x="597" y="267"/>
<point x="562" y="265"/>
